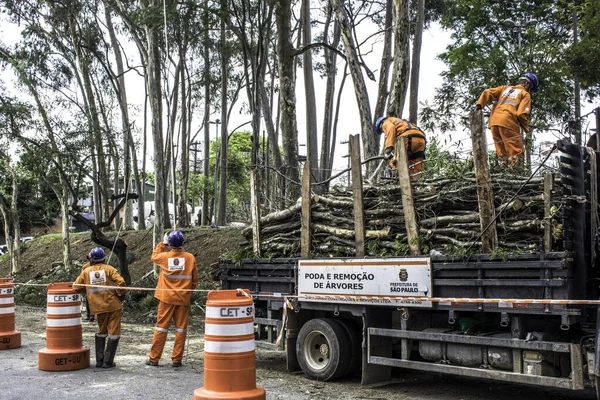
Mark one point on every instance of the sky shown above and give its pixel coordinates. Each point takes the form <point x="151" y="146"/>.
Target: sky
<point x="435" y="41"/>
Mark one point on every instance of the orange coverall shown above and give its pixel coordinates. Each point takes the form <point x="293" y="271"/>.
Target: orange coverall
<point x="510" y="112"/>
<point x="414" y="139"/>
<point x="177" y="271"/>
<point x="103" y="302"/>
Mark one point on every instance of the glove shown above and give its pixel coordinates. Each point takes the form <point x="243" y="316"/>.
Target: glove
<point x="166" y="238"/>
<point x="389" y="153"/>
<point x="478" y="107"/>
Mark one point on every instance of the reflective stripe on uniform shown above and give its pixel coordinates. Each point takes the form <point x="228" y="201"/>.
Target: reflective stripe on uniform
<point x="64" y="310"/>
<point x="7" y="310"/>
<point x="159" y="329"/>
<point x="103" y="335"/>
<point x="229" y="330"/>
<point x="189" y="277"/>
<point x="97" y="289"/>
<point x="180" y="330"/>
<point x="7" y="300"/>
<point x="228" y="347"/>
<point x="506" y="101"/>
<point x="114" y="336"/>
<point x="63" y="322"/>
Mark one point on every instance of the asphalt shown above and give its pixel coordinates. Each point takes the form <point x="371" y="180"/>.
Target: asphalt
<point x="132" y="379"/>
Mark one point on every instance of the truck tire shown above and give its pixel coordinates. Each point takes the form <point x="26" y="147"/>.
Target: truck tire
<point x="355" y="335"/>
<point x="321" y="349"/>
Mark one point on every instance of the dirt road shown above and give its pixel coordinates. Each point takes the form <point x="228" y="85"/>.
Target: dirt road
<point x="20" y="378"/>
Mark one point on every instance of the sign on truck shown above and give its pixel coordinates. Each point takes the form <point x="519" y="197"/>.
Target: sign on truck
<point x="361" y="281"/>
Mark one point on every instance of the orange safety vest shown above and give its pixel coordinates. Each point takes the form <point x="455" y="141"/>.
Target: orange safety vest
<point x="101" y="300"/>
<point x="178" y="271"/>
<point x="511" y="108"/>
<point x="396" y="127"/>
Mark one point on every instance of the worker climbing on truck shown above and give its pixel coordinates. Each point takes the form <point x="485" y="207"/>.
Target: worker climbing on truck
<point x="414" y="138"/>
<point x="510" y="114"/>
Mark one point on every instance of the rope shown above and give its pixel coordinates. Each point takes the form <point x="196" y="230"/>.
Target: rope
<point x="128" y="288"/>
<point x="361" y="298"/>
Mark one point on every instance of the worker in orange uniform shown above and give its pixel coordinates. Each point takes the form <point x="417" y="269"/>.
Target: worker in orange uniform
<point x="105" y="303"/>
<point x="414" y="138"/>
<point x="178" y="275"/>
<point x="509" y="114"/>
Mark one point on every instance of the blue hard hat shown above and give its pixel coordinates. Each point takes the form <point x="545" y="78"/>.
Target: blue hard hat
<point x="378" y="125"/>
<point x="97" y="254"/>
<point x="533" y="80"/>
<point x="176" y="239"/>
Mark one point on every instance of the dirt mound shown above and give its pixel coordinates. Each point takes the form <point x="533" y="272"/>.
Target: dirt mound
<point x="45" y="252"/>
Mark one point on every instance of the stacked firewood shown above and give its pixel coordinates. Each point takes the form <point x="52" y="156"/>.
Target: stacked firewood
<point x="447" y="212"/>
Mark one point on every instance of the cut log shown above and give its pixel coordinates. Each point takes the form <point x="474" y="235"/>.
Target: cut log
<point x="349" y="234"/>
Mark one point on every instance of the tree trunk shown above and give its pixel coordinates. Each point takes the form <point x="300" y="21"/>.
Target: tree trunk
<point x="63" y="199"/>
<point x="312" y="148"/>
<point x="141" y="187"/>
<point x="401" y="59"/>
<point x="8" y="235"/>
<point x="327" y="145"/>
<point x="14" y="214"/>
<point x="221" y="219"/>
<point x="154" y="91"/>
<point x="128" y="145"/>
<point x="93" y="119"/>
<point x="413" y="106"/>
<point x="360" y="89"/>
<point x="184" y="219"/>
<point x="206" y="153"/>
<point x="287" y="83"/>
<point x="386" y="61"/>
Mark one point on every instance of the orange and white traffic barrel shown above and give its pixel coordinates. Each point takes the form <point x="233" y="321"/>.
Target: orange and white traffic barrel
<point x="9" y="337"/>
<point x="64" y="349"/>
<point x="229" y="358"/>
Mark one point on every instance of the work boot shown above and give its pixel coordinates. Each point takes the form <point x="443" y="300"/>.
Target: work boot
<point x="109" y="355"/>
<point x="176" y="364"/>
<point x="100" y="344"/>
<point x="152" y="363"/>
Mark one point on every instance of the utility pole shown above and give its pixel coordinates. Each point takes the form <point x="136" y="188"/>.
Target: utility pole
<point x="194" y="149"/>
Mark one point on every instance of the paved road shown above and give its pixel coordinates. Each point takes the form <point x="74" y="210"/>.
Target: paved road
<point x="20" y="379"/>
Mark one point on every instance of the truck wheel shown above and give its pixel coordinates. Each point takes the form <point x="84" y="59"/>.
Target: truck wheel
<point x="320" y="349"/>
<point x="355" y="335"/>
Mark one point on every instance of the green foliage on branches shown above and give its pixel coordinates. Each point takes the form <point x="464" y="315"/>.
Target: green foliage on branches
<point x="584" y="57"/>
<point x="495" y="42"/>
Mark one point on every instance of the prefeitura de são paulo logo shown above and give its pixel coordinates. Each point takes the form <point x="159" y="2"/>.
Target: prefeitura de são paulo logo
<point x="403" y="275"/>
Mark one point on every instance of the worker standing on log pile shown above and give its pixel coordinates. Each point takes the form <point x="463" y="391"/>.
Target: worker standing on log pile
<point x="509" y="114"/>
<point x="105" y="303"/>
<point x="414" y="138"/>
<point x="178" y="275"/>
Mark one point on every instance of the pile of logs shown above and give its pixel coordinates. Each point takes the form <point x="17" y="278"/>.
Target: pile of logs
<point x="447" y="212"/>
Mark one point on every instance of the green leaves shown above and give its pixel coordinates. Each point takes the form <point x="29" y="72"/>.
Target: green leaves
<point x="494" y="43"/>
